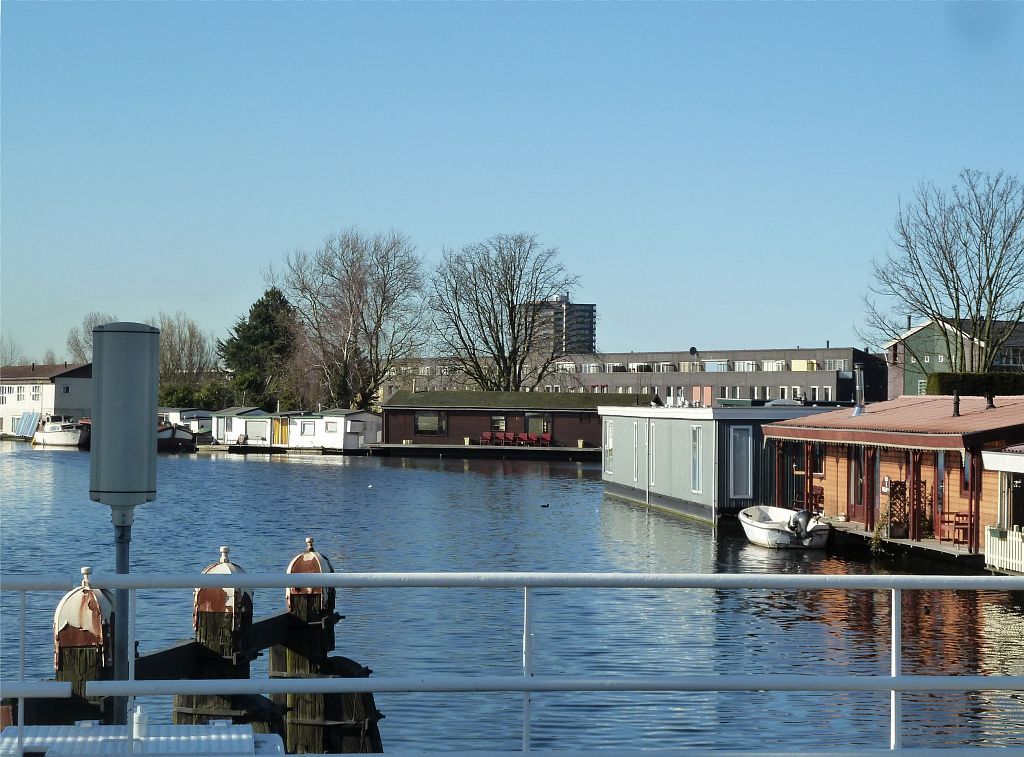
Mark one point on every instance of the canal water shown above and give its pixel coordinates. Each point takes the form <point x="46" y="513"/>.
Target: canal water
<point x="379" y="514"/>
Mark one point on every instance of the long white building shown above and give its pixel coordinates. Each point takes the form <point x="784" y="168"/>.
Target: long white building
<point x="41" y="391"/>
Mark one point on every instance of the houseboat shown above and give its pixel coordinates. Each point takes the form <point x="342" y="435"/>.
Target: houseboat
<point x="909" y="469"/>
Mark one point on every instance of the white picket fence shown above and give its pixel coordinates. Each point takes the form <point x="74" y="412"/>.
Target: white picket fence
<point x="1004" y="552"/>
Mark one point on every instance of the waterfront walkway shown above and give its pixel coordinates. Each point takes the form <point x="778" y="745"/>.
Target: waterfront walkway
<point x="851" y="533"/>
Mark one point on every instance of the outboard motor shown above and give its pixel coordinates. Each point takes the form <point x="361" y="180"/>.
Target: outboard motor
<point x="800" y="523"/>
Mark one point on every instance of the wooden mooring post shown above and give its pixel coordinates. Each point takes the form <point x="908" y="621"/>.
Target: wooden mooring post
<point x="226" y="640"/>
<point x="321" y="723"/>
<point x="222" y="621"/>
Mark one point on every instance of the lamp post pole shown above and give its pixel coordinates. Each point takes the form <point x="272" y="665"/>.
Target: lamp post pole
<point x="126" y="360"/>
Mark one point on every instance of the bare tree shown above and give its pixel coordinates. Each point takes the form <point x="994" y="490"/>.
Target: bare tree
<point x="488" y="302"/>
<point x="50" y="357"/>
<point x="358" y="299"/>
<point x="10" y="352"/>
<point x="79" y="342"/>
<point x="959" y="261"/>
<point x="187" y="355"/>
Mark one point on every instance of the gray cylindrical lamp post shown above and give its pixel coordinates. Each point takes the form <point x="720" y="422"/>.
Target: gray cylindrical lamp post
<point x="125" y="371"/>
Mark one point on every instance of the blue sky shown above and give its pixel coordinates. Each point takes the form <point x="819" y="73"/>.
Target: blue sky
<point x="719" y="175"/>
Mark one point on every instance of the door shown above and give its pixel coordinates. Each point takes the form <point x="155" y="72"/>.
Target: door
<point x="1016" y="500"/>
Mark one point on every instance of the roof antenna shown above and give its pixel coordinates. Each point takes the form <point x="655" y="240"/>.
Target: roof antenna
<point x="956" y="403"/>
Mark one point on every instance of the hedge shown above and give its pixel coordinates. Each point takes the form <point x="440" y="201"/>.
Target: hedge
<point x="976" y="384"/>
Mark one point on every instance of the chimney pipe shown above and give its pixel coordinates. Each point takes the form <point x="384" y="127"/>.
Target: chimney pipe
<point x="956" y="403"/>
<point x="858" y="377"/>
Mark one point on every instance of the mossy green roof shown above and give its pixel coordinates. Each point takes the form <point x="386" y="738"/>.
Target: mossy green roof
<point x="568" y="401"/>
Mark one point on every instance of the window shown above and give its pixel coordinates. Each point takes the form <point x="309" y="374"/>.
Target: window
<point x="636" y="446"/>
<point x="782" y="392"/>
<point x="538" y="423"/>
<point x="651" y="454"/>
<point x="431" y="423"/>
<point x="835" y="365"/>
<point x="828" y="393"/>
<point x="818" y="460"/>
<point x="716" y="366"/>
<point x="965" y="474"/>
<point x="747" y="365"/>
<point x="855" y="482"/>
<point x="695" y="460"/>
<point x="927" y="358"/>
<point x="736" y="392"/>
<point x="814" y="394"/>
<point x="227" y="423"/>
<point x="796" y="392"/>
<point x="723" y="392"/>
<point x="331" y="427"/>
<point x="21" y="393"/>
<point x="609" y="437"/>
<point x="35" y="392"/>
<point x="497" y="423"/>
<point x="942" y="358"/>
<point x="741" y="462"/>
<point x="306" y="428"/>
<point x="766" y="392"/>
<point x="922" y="386"/>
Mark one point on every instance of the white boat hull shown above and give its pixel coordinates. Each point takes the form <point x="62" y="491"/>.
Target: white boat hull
<point x="769" y="527"/>
<point x="71" y="438"/>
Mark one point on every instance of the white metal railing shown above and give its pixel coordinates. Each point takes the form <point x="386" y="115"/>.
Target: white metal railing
<point x="528" y="682"/>
<point x="1004" y="549"/>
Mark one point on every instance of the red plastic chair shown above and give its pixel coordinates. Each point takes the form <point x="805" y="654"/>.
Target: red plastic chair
<point x="487" y="438"/>
<point x="545" y="440"/>
<point x="532" y="439"/>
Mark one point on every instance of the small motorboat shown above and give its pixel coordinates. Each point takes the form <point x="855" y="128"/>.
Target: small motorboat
<point x="781" y="528"/>
<point x="62" y="432"/>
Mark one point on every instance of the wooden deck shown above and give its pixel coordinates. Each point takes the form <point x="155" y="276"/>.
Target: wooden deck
<point x="850" y="533"/>
<point x="488" y="451"/>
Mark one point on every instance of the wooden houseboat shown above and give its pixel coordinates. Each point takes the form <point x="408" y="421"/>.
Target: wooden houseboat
<point x="906" y="469"/>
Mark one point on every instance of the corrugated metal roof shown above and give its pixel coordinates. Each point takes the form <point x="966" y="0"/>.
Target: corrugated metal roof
<point x="922" y="414"/>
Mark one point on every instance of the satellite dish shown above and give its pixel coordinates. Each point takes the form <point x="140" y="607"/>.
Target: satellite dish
<point x="693" y="350"/>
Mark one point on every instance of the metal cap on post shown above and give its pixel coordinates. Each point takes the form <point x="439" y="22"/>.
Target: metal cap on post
<point x="126" y="363"/>
<point x="125" y="370"/>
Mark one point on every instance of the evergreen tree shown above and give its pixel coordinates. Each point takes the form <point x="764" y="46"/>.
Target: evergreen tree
<point x="258" y="350"/>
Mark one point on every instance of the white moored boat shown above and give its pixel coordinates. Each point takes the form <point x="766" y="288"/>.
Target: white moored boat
<point x="58" y="432"/>
<point x="780" y="528"/>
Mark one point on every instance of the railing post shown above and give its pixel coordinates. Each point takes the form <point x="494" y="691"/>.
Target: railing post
<point x="895" y="738"/>
<point x="132" y="610"/>
<point x="21" y="672"/>
<point x="527" y="664"/>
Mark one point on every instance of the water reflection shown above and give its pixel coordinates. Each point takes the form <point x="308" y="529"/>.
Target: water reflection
<point x="413" y="514"/>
